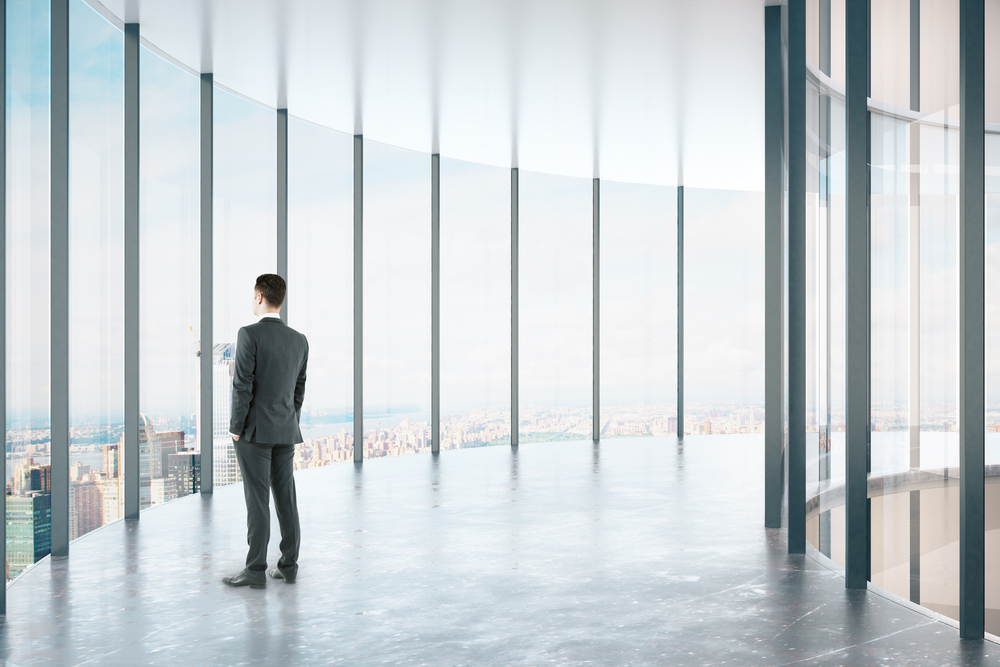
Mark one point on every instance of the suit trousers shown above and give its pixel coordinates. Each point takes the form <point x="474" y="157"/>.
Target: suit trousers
<point x="269" y="468"/>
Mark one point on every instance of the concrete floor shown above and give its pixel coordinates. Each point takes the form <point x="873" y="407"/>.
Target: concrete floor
<point x="637" y="552"/>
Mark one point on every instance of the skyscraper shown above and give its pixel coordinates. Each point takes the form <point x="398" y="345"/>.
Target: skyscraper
<point x="225" y="469"/>
<point x="29" y="530"/>
<point x="111" y="485"/>
<point x="149" y="460"/>
<point x="184" y="472"/>
<point x="86" y="511"/>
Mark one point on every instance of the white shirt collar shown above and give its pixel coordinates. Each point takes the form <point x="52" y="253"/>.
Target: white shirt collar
<point x="268" y="315"/>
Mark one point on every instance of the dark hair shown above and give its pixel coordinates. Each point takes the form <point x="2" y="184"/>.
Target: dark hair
<point x="272" y="287"/>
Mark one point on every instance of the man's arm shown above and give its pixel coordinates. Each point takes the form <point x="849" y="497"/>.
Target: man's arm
<point x="243" y="371"/>
<point x="300" y="384"/>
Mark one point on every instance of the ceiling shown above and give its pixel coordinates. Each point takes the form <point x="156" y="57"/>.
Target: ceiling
<point x="653" y="91"/>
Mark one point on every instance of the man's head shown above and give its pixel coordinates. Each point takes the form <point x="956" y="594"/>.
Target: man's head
<point x="268" y="294"/>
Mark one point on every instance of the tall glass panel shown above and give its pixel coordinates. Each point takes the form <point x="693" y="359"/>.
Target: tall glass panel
<point x="638" y="310"/>
<point x="475" y="305"/>
<point x="245" y="245"/>
<point x="321" y="286"/>
<point x="169" y="284"/>
<point x="993" y="358"/>
<point x="913" y="487"/>
<point x="29" y="525"/>
<point x="826" y="286"/>
<point x="397" y="294"/>
<point x="723" y="311"/>
<point x="993" y="318"/>
<point x="96" y="246"/>
<point x="555" y="259"/>
<point x="890" y="348"/>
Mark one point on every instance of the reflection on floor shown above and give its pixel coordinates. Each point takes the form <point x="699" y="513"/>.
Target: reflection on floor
<point x="636" y="552"/>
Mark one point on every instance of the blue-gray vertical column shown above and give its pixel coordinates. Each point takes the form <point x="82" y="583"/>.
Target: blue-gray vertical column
<point x="914" y="323"/>
<point x="59" y="275"/>
<point x="131" y="237"/>
<point x="972" y="318"/>
<point x="680" y="312"/>
<point x="359" y="275"/>
<point x="774" y="269"/>
<point x="206" y="425"/>
<point x="514" y="418"/>
<point x="857" y="287"/>
<point x="435" y="303"/>
<point x="796" y="87"/>
<point x="282" y="171"/>
<point x="597" y="310"/>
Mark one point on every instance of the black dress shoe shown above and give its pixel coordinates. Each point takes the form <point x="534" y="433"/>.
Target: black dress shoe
<point x="289" y="577"/>
<point x="245" y="579"/>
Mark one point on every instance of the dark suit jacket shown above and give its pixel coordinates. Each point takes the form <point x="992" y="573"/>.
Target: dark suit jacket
<point x="269" y="383"/>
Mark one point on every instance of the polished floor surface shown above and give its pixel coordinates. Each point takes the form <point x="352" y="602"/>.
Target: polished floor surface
<point x="637" y="552"/>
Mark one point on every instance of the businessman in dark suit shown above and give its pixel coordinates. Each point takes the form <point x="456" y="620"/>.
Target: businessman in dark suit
<point x="269" y="382"/>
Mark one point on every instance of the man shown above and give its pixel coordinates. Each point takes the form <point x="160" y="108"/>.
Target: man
<point x="269" y="382"/>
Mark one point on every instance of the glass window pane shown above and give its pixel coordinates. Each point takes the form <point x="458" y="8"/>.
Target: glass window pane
<point x="96" y="275"/>
<point x="321" y="286"/>
<point x="638" y="310"/>
<point x="397" y="300"/>
<point x="992" y="319"/>
<point x="914" y="311"/>
<point x="169" y="279"/>
<point x="555" y="255"/>
<point x="475" y="305"/>
<point x="244" y="245"/>
<point x="29" y="534"/>
<point x="723" y="311"/>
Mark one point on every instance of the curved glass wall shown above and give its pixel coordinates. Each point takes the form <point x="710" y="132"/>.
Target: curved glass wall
<point x="475" y="305"/>
<point x="169" y="279"/>
<point x="555" y="255"/>
<point x="638" y="310"/>
<point x="96" y="273"/>
<point x="913" y="480"/>
<point x="320" y="279"/>
<point x="28" y="505"/>
<point x="397" y="301"/>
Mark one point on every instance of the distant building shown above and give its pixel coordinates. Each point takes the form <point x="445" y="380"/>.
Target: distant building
<point x="161" y="491"/>
<point x="31" y="477"/>
<point x="29" y="530"/>
<point x="150" y="460"/>
<point x="110" y="461"/>
<point x="112" y="499"/>
<point x="77" y="471"/>
<point x="171" y="442"/>
<point x="184" y="471"/>
<point x="86" y="507"/>
<point x="111" y="485"/>
<point x="224" y="468"/>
